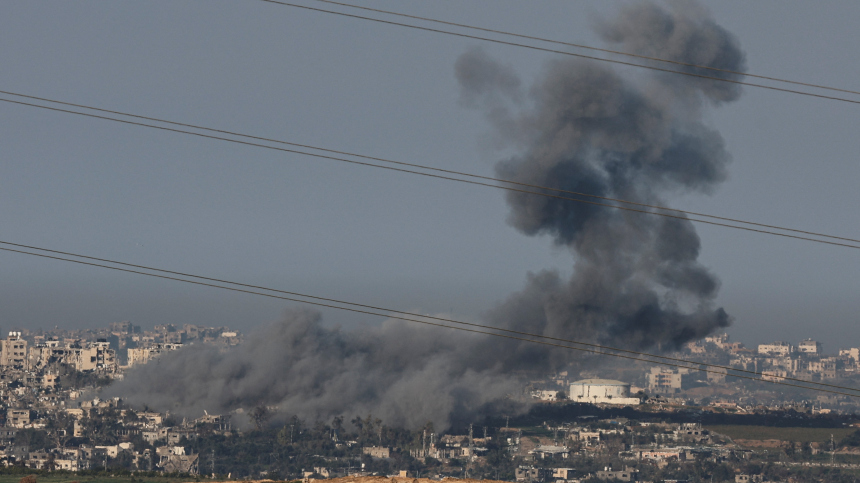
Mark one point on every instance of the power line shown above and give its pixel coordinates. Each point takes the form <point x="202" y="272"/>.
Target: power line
<point x="449" y="178"/>
<point x="430" y="168"/>
<point x="365" y="309"/>
<point x="562" y="52"/>
<point x="588" y="47"/>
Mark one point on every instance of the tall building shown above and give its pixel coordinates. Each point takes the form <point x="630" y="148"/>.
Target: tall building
<point x="664" y="380"/>
<point x="13" y="351"/>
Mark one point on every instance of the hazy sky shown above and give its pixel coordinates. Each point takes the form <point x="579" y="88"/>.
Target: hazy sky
<point x="367" y="235"/>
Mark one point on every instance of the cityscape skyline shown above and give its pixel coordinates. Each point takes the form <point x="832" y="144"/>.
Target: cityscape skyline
<point x="543" y="242"/>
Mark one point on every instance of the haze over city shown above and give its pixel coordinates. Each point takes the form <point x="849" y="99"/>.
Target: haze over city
<point x="555" y="197"/>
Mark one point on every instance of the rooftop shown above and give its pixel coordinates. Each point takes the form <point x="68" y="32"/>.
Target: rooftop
<point x="600" y="382"/>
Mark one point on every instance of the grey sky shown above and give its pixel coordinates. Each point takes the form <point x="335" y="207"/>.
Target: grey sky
<point x="360" y="234"/>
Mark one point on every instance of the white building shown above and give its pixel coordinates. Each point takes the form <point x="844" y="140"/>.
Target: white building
<point x="853" y="353"/>
<point x="602" y="391"/>
<point x="809" y="346"/>
<point x="142" y="355"/>
<point x="776" y="348"/>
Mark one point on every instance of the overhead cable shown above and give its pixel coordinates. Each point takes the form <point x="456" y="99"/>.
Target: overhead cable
<point x="411" y="314"/>
<point x="588" y="47"/>
<point x="682" y="213"/>
<point x="430" y="168"/>
<point x="562" y="52"/>
<point x="601" y="351"/>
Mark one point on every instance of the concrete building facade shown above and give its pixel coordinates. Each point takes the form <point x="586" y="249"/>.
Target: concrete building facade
<point x="13" y="351"/>
<point x="602" y="391"/>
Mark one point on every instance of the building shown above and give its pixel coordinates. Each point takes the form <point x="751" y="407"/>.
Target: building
<point x="663" y="455"/>
<point x="809" y="346"/>
<point x="744" y="478"/>
<point x="124" y="327"/>
<point x="143" y="355"/>
<point x="718" y="339"/>
<point x="377" y="451"/>
<point x="602" y="391"/>
<point x="550" y="452"/>
<point x="172" y="459"/>
<point x="530" y="473"/>
<point x="716" y="375"/>
<point x="86" y="357"/>
<point x="664" y="381"/>
<point x="546" y="395"/>
<point x="627" y="474"/>
<point x="691" y="431"/>
<point x="97" y="357"/>
<point x="776" y="348"/>
<point x="852" y="354"/>
<point x="13" y="351"/>
<point x="17" y="418"/>
<point x="826" y="368"/>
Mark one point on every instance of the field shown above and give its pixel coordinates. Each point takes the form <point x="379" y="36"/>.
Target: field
<point x="801" y="435"/>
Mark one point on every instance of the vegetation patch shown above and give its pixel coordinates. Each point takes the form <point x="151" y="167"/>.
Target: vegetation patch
<point x="799" y="435"/>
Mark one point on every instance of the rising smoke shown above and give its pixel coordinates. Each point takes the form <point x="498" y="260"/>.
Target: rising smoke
<point x="582" y="126"/>
<point x="586" y="128"/>
<point x="405" y="374"/>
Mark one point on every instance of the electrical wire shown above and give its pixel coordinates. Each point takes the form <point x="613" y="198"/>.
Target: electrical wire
<point x="449" y="178"/>
<point x="430" y="168"/>
<point x="562" y="52"/>
<point x="327" y="302"/>
<point x="588" y="47"/>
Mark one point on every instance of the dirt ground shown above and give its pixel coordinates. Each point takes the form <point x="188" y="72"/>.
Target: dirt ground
<point x="760" y="443"/>
<point x="383" y="479"/>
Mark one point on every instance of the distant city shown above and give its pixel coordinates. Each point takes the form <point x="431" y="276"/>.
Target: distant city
<point x="709" y="385"/>
<point x="106" y="351"/>
<point x="636" y="422"/>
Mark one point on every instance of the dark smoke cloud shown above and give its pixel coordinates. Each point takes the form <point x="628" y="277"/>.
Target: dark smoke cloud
<point x="637" y="282"/>
<point x="685" y="33"/>
<point x="587" y="128"/>
<point x="405" y="374"/>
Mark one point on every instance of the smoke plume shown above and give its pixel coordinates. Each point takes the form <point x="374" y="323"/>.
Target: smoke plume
<point x="582" y="126"/>
<point x="405" y="374"/>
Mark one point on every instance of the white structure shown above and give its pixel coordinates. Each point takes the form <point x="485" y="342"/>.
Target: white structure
<point x="809" y="346"/>
<point x="602" y="391"/>
<point x="853" y="353"/>
<point x="776" y="348"/>
<point x="138" y="356"/>
<point x="546" y="395"/>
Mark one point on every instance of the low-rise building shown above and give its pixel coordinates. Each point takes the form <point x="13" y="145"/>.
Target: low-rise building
<point x="550" y="452"/>
<point x="627" y="474"/>
<point x="377" y="451"/>
<point x="775" y="348"/>
<point x="809" y="346"/>
<point x="530" y="473"/>
<point x="18" y="418"/>
<point x="602" y="391"/>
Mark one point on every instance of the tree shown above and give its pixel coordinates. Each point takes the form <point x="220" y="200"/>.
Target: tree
<point x="337" y="426"/>
<point x="260" y="415"/>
